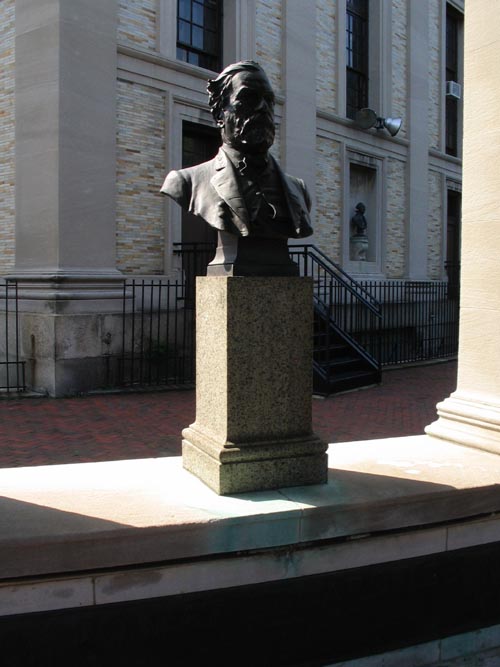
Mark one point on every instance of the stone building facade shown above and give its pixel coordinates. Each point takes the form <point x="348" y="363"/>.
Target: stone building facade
<point x="94" y="105"/>
<point x="410" y="169"/>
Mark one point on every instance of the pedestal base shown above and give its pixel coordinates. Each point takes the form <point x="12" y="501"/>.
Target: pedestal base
<point x="359" y="248"/>
<point x="258" y="465"/>
<point x="253" y="428"/>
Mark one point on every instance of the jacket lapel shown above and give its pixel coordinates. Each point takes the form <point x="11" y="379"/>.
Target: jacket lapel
<point x="225" y="183"/>
<point x="293" y="198"/>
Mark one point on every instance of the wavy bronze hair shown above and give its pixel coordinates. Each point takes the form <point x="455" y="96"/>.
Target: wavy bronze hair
<point x="218" y="87"/>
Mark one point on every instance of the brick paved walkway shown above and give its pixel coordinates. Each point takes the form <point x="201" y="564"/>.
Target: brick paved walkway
<point x="39" y="431"/>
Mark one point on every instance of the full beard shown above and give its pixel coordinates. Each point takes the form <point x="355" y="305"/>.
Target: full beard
<point x="253" y="135"/>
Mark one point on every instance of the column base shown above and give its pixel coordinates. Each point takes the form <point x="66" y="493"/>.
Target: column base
<point x="239" y="467"/>
<point x="468" y="421"/>
<point x="70" y="325"/>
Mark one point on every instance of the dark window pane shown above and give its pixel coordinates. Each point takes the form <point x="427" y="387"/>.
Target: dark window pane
<point x="198" y="12"/>
<point x="211" y="42"/>
<point x="451" y="126"/>
<point x="359" y="7"/>
<point x="185" y="9"/>
<point x="193" y="58"/>
<point x="210" y="18"/>
<point x="197" y="39"/>
<point x="181" y="54"/>
<point x="184" y="35"/>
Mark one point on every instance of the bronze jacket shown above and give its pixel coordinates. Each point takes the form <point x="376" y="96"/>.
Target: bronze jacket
<point x="210" y="190"/>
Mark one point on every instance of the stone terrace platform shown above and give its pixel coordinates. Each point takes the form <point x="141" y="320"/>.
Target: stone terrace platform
<point x="120" y="558"/>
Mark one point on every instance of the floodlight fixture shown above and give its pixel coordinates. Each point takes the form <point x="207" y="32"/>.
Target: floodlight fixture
<point x="367" y="118"/>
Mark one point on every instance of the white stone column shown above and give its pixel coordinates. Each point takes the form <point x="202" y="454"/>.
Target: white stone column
<point x="418" y="132"/>
<point x="65" y="136"/>
<point x="65" y="183"/>
<point x="471" y="415"/>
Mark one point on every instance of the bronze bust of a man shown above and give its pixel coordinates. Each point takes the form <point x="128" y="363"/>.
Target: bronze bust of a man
<point x="242" y="192"/>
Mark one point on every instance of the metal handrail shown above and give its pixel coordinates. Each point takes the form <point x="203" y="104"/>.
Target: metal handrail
<point x="336" y="271"/>
<point x="346" y="306"/>
<point x="362" y="351"/>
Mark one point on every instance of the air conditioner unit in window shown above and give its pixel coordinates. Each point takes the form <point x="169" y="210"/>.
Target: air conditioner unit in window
<point x="453" y="89"/>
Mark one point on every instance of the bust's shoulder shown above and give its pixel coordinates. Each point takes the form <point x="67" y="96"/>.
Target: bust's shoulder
<point x="179" y="182"/>
<point x="298" y="184"/>
<point x="191" y="174"/>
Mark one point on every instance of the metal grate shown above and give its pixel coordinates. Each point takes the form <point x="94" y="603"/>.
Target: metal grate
<point x="158" y="333"/>
<point x="12" y="368"/>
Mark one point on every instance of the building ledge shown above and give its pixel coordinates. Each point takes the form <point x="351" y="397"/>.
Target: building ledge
<point x="96" y="533"/>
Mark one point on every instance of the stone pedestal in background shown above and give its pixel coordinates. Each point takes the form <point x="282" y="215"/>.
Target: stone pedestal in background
<point x="359" y="248"/>
<point x="253" y="428"/>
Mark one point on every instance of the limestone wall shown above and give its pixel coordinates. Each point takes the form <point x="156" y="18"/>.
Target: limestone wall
<point x="328" y="221"/>
<point x="395" y="232"/>
<point x="137" y="23"/>
<point x="141" y="141"/>
<point x="269" y="39"/>
<point x="7" y="120"/>
<point x="434" y="78"/>
<point x="326" y="53"/>
<point x="435" y="227"/>
<point x="399" y="63"/>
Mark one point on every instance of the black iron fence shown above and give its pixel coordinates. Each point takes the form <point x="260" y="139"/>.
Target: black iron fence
<point x="395" y="322"/>
<point x="419" y="320"/>
<point x="12" y="368"/>
<point x="194" y="260"/>
<point x="158" y="334"/>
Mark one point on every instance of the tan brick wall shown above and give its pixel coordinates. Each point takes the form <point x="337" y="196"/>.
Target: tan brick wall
<point x="399" y="62"/>
<point x="395" y="234"/>
<point x="435" y="93"/>
<point x="140" y="172"/>
<point x="7" y="121"/>
<point x="326" y="53"/>
<point x="137" y="23"/>
<point x="328" y="220"/>
<point x="435" y="226"/>
<point x="268" y="39"/>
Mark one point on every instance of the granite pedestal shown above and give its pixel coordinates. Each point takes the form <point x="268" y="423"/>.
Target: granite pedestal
<point x="253" y="428"/>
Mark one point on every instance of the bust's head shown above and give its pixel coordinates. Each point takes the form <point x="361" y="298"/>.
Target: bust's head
<point x="242" y="104"/>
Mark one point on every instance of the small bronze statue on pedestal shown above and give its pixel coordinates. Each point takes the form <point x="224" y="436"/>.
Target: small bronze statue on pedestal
<point x="242" y="192"/>
<point x="358" y="220"/>
<point x="359" y="240"/>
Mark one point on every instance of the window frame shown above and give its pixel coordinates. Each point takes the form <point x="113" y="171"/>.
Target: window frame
<point x="379" y="58"/>
<point x="238" y="28"/>
<point x="188" y="48"/>
<point x="453" y="70"/>
<point x="357" y="59"/>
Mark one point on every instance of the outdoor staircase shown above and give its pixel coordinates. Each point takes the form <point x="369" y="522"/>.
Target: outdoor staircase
<point x="346" y="325"/>
<point x="338" y="364"/>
